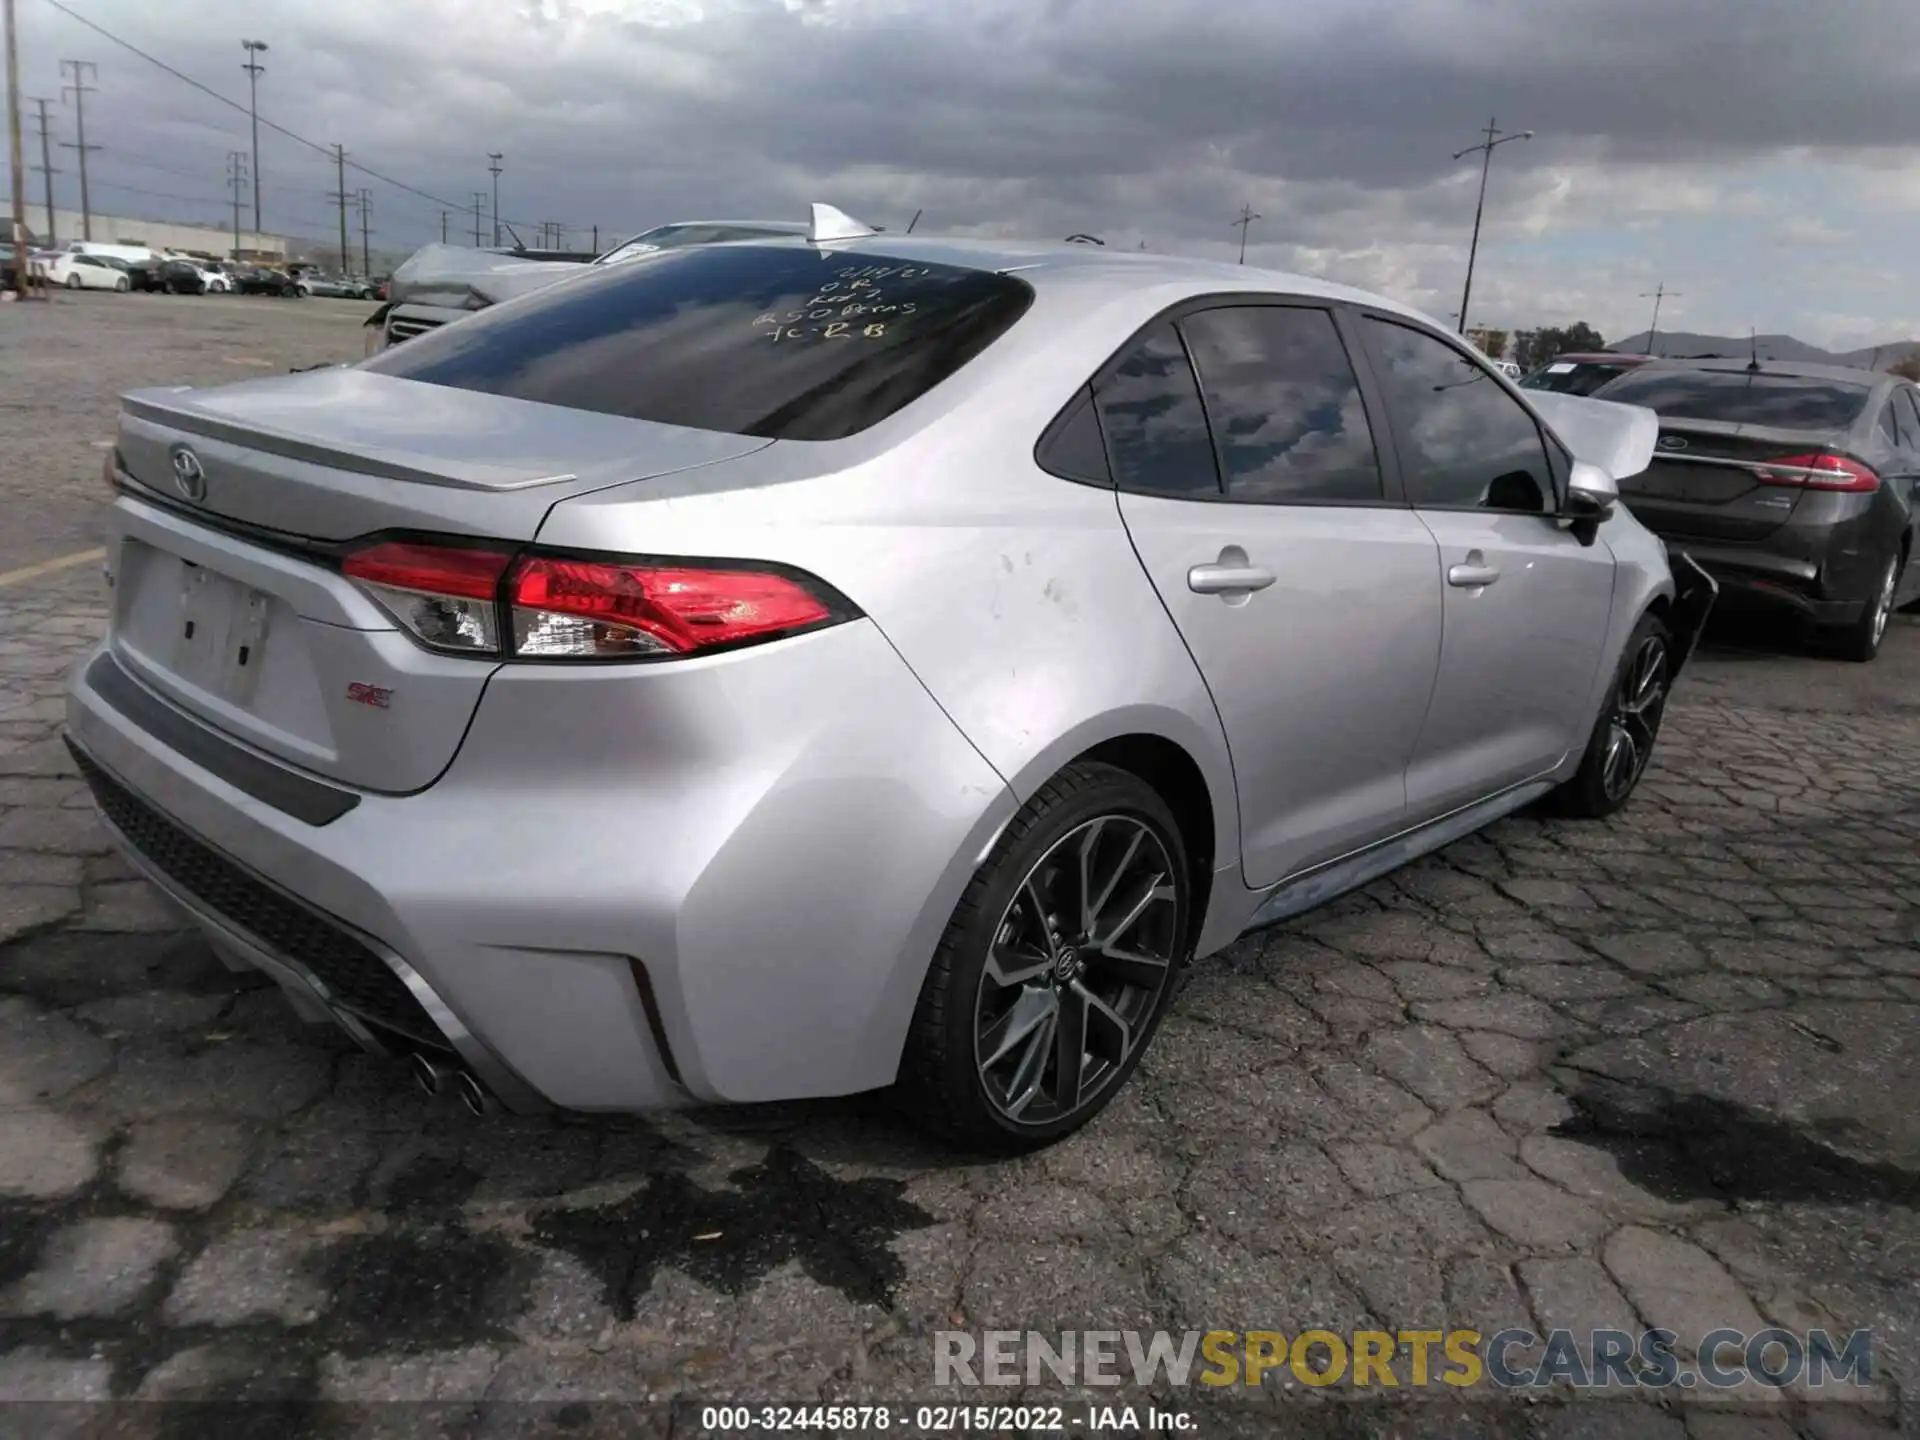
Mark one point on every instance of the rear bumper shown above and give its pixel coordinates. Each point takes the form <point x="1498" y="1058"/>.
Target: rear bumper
<point x="1759" y="578"/>
<point x="711" y="882"/>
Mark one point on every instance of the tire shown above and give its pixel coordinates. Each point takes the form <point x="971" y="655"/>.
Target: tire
<point x="1628" y="726"/>
<point x="73" y="282"/>
<point x="123" y="285"/>
<point x="1015" y="1006"/>
<point x="1860" y="641"/>
<point x="305" y="290"/>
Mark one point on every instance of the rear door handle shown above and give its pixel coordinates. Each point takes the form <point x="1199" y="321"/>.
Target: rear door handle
<point x="1228" y="579"/>
<point x="1475" y="573"/>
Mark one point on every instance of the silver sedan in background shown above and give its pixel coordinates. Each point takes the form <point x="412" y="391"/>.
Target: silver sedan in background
<point x="820" y="663"/>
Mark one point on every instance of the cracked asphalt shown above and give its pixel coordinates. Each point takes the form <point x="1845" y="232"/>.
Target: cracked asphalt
<point x="1658" y="1071"/>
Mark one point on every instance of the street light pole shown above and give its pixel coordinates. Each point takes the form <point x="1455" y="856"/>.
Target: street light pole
<point x="1247" y="217"/>
<point x="1495" y="138"/>
<point x="493" y="168"/>
<point x="1660" y="292"/>
<point x="255" y="49"/>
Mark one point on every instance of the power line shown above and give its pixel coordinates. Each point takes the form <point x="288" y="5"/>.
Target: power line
<point x="47" y="172"/>
<point x="236" y="183"/>
<point x="79" y="89"/>
<point x="330" y="151"/>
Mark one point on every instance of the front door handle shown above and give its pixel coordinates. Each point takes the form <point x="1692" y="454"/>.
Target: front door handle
<point x="1228" y="579"/>
<point x="1475" y="573"/>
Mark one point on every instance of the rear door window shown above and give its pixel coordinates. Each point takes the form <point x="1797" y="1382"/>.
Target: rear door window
<point x="1156" y="430"/>
<point x="1284" y="406"/>
<point x="1793" y="402"/>
<point x="783" y="341"/>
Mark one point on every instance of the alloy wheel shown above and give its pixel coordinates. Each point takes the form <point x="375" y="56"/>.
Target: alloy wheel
<point x="1077" y="968"/>
<point x="1883" y="603"/>
<point x="1634" y="719"/>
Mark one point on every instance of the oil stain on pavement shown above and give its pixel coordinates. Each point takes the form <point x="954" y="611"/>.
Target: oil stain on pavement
<point x="784" y="1209"/>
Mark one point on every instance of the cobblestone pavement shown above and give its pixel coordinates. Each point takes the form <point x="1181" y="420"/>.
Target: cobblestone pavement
<point x="1652" y="1072"/>
<point x="65" y="361"/>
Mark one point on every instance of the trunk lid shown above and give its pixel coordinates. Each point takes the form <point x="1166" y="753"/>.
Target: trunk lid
<point x="226" y="603"/>
<point x="1702" y="482"/>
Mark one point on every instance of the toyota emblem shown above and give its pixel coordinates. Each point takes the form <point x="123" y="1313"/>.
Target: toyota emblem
<point x="1672" y="442"/>
<point x="188" y="476"/>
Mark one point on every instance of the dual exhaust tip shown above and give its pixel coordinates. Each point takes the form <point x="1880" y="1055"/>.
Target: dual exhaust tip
<point x="435" y="1079"/>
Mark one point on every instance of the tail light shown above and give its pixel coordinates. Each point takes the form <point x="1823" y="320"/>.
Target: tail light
<point x="1818" y="471"/>
<point x="488" y="601"/>
<point x="446" y="596"/>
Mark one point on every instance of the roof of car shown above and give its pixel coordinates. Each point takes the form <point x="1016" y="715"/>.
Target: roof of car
<point x="1046" y="264"/>
<point x="1797" y="369"/>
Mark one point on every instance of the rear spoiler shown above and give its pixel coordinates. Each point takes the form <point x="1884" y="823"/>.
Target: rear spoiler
<point x="1618" y="439"/>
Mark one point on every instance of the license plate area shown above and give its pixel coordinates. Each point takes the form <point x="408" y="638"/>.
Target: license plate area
<point x="221" y="633"/>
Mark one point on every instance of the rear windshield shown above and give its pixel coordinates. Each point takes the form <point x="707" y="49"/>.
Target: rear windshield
<point x="1565" y="377"/>
<point x="782" y="341"/>
<point x="1789" y="402"/>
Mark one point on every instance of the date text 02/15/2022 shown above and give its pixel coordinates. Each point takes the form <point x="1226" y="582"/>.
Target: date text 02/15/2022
<point x="944" y="1419"/>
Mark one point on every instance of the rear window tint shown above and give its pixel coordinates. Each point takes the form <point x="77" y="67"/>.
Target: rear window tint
<point x="785" y="342"/>
<point x="1788" y="401"/>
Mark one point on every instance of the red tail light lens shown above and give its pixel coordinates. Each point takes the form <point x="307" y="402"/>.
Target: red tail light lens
<point x="1818" y="471"/>
<point x="595" y="609"/>
<point x="482" y="600"/>
<point x="445" y="595"/>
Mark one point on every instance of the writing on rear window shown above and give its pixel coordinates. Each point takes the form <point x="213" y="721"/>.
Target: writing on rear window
<point x="853" y="305"/>
<point x="780" y="340"/>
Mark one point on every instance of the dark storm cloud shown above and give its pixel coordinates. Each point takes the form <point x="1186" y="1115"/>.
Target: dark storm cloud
<point x="1156" y="117"/>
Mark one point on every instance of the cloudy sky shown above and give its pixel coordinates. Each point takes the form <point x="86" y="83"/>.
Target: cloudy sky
<point x="1760" y="157"/>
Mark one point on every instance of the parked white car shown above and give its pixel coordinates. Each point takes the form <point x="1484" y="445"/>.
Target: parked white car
<point x="132" y="254"/>
<point x="87" y="272"/>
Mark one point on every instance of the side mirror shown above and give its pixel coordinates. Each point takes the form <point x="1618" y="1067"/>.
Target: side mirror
<point x="1592" y="495"/>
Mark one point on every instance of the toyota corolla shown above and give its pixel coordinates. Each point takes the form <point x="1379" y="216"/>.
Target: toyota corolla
<point x="821" y="663"/>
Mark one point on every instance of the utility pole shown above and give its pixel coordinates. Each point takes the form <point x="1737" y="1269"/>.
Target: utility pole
<point x="79" y="89"/>
<point x="366" y="225"/>
<point x="443" y="227"/>
<point x="341" y="198"/>
<point x="20" y="273"/>
<point x="1247" y="217"/>
<point x="1660" y="292"/>
<point x="479" y="199"/>
<point x="236" y="184"/>
<point x="255" y="49"/>
<point x="596" y="239"/>
<point x="1495" y="138"/>
<point x="47" y="172"/>
<point x="493" y="168"/>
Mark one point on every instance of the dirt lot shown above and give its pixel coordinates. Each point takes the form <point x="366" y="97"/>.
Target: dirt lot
<point x="1653" y="1072"/>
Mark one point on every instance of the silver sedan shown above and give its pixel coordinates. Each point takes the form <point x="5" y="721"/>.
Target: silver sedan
<point x="838" y="661"/>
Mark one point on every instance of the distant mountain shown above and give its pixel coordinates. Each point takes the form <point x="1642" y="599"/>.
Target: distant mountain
<point x="1771" y="347"/>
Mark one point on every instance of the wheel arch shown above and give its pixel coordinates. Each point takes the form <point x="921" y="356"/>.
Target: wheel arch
<point x="1176" y="777"/>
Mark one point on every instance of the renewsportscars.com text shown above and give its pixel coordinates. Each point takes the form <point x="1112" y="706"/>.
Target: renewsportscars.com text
<point x="1415" y="1359"/>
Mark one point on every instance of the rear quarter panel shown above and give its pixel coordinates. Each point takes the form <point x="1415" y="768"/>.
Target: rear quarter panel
<point x="1013" y="595"/>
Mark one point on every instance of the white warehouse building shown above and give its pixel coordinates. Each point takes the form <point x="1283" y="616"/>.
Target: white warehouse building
<point x="157" y="235"/>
